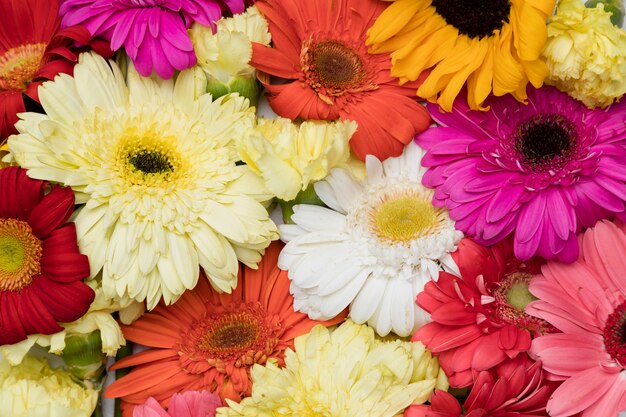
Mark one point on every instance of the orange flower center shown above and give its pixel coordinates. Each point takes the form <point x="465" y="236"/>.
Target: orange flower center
<point x="332" y="69"/>
<point x="20" y="253"/>
<point x="19" y="66"/>
<point x="226" y="337"/>
<point x="512" y="296"/>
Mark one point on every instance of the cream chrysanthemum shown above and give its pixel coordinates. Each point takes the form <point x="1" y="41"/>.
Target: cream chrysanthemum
<point x="288" y="157"/>
<point x="346" y="372"/>
<point x="224" y="55"/>
<point x="374" y="249"/>
<point x="34" y="389"/>
<point x="157" y="170"/>
<point x="586" y="54"/>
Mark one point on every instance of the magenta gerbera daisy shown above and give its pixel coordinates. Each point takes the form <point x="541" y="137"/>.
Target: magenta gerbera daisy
<point x="41" y="270"/>
<point x="153" y="32"/>
<point x="541" y="170"/>
<point x="587" y="302"/>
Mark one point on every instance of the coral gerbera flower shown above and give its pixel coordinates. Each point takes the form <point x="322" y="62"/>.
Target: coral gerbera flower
<point x="41" y="269"/>
<point x="478" y="319"/>
<point x="541" y="171"/>
<point x="209" y="341"/>
<point x="374" y="249"/>
<point x="319" y="48"/>
<point x="152" y="32"/>
<point x="157" y="167"/>
<point x="346" y="372"/>
<point x="587" y="302"/>
<point x="515" y="388"/>
<point x="32" y="49"/>
<point x="492" y="46"/>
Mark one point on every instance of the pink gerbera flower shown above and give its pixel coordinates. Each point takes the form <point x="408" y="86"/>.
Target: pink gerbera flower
<point x="478" y="319"/>
<point x="187" y="404"/>
<point x="153" y="32"/>
<point x="587" y="302"/>
<point x="541" y="170"/>
<point x="516" y="388"/>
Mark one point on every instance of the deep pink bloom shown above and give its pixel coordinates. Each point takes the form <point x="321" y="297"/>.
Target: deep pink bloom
<point x="153" y="32"/>
<point x="587" y="302"/>
<point x="474" y="327"/>
<point x="187" y="404"/>
<point x="541" y="171"/>
<point x="515" y="388"/>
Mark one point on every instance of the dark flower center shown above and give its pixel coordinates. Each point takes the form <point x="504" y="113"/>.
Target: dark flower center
<point x="234" y="331"/>
<point x="336" y="65"/>
<point x="332" y="69"/>
<point x="150" y="162"/>
<point x="615" y="334"/>
<point x="474" y="18"/>
<point x="544" y="138"/>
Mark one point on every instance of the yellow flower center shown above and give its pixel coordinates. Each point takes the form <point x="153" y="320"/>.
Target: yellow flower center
<point x="404" y="217"/>
<point x="147" y="160"/>
<point x="474" y="18"/>
<point x="19" y="65"/>
<point x="20" y="253"/>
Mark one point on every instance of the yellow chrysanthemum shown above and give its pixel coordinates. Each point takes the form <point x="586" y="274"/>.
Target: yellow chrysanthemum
<point x="34" y="389"/>
<point x="493" y="46"/>
<point x="156" y="167"/>
<point x="288" y="156"/>
<point x="586" y="54"/>
<point x="346" y="372"/>
<point x="98" y="318"/>
<point x="224" y="55"/>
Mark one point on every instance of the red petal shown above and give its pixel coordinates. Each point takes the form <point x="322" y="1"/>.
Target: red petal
<point x="65" y="302"/>
<point x="19" y="193"/>
<point x="52" y="211"/>
<point x="65" y="267"/>
<point x="11" y="328"/>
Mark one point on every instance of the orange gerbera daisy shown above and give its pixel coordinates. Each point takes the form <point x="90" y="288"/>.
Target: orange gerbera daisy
<point x="319" y="48"/>
<point x="209" y="341"/>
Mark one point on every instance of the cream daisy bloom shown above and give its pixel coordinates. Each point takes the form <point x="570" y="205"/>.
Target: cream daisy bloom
<point x="223" y="56"/>
<point x="374" y="249"/>
<point x="34" y="389"/>
<point x="346" y="372"/>
<point x="156" y="167"/>
<point x="289" y="156"/>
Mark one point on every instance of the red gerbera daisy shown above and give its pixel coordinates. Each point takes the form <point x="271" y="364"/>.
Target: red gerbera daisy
<point x="32" y="50"/>
<point x="209" y="341"/>
<point x="478" y="318"/>
<point x="41" y="270"/>
<point x="515" y="388"/>
<point x="319" y="47"/>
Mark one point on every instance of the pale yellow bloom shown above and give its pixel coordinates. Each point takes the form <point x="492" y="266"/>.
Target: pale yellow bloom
<point x="224" y="56"/>
<point x="347" y="372"/>
<point x="97" y="318"/>
<point x="33" y="389"/>
<point x="586" y="54"/>
<point x="157" y="168"/>
<point x="289" y="156"/>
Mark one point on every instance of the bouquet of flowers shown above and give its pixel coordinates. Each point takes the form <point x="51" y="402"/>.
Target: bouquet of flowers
<point x="339" y="208"/>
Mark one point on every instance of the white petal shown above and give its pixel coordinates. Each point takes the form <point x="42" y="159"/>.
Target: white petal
<point x="403" y="308"/>
<point x="314" y="218"/>
<point x="333" y="304"/>
<point x="368" y="299"/>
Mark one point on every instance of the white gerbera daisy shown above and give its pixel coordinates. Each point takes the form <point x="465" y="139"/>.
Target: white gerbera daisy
<point x="156" y="167"/>
<point x="374" y="249"/>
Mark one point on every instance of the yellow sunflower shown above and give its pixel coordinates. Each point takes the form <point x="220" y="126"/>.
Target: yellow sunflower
<point x="493" y="46"/>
